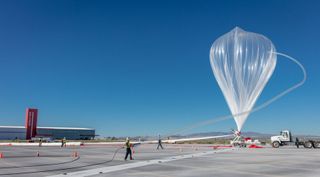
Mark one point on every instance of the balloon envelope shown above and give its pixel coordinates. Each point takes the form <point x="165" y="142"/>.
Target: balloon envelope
<point x="242" y="63"/>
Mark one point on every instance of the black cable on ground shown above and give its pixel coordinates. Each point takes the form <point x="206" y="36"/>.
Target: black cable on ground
<point x="28" y="156"/>
<point x="39" y="165"/>
<point x="62" y="169"/>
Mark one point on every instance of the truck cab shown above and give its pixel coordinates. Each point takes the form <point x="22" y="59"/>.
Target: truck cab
<point x="283" y="139"/>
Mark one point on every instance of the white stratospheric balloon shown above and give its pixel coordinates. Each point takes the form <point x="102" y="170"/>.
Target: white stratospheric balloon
<point x="242" y="63"/>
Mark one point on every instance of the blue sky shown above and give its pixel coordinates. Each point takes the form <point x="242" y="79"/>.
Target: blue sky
<point x="142" y="67"/>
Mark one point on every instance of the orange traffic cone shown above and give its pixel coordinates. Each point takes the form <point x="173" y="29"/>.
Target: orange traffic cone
<point x="75" y="154"/>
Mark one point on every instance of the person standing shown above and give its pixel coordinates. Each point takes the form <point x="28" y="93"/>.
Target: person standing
<point x="128" y="149"/>
<point x="159" y="143"/>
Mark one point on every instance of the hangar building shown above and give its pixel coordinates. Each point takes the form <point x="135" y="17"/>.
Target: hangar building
<point x="31" y="130"/>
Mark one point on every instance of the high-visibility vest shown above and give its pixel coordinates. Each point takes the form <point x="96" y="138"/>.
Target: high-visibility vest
<point x="127" y="144"/>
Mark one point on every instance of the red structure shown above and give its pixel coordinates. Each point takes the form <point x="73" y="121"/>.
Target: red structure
<point x="31" y="123"/>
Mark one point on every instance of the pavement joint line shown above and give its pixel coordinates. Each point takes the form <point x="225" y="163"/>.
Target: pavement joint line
<point x="104" y="170"/>
<point x="221" y="169"/>
<point x="288" y="167"/>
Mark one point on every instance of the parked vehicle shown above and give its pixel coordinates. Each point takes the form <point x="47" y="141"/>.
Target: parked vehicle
<point x="285" y="138"/>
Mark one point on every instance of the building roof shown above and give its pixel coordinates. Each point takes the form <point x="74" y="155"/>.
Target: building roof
<point x="12" y="127"/>
<point x="59" y="128"/>
<point x="66" y="128"/>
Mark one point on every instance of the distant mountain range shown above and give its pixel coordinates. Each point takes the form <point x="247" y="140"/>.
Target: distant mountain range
<point x="255" y="135"/>
<point x="246" y="134"/>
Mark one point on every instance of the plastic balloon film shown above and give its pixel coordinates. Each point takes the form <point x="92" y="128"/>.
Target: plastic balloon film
<point x="242" y="63"/>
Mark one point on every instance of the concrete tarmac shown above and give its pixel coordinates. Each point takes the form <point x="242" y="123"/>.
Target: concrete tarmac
<point x="174" y="160"/>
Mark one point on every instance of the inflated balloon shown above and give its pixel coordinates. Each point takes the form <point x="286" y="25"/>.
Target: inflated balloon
<point x="242" y="63"/>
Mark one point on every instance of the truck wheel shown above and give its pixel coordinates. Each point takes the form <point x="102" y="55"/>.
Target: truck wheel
<point x="316" y="144"/>
<point x="307" y="144"/>
<point x="275" y="144"/>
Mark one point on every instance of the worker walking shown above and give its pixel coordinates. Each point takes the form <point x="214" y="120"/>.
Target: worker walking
<point x="128" y="149"/>
<point x="297" y="142"/>
<point x="159" y="143"/>
<point x="63" y="142"/>
<point x="40" y="142"/>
